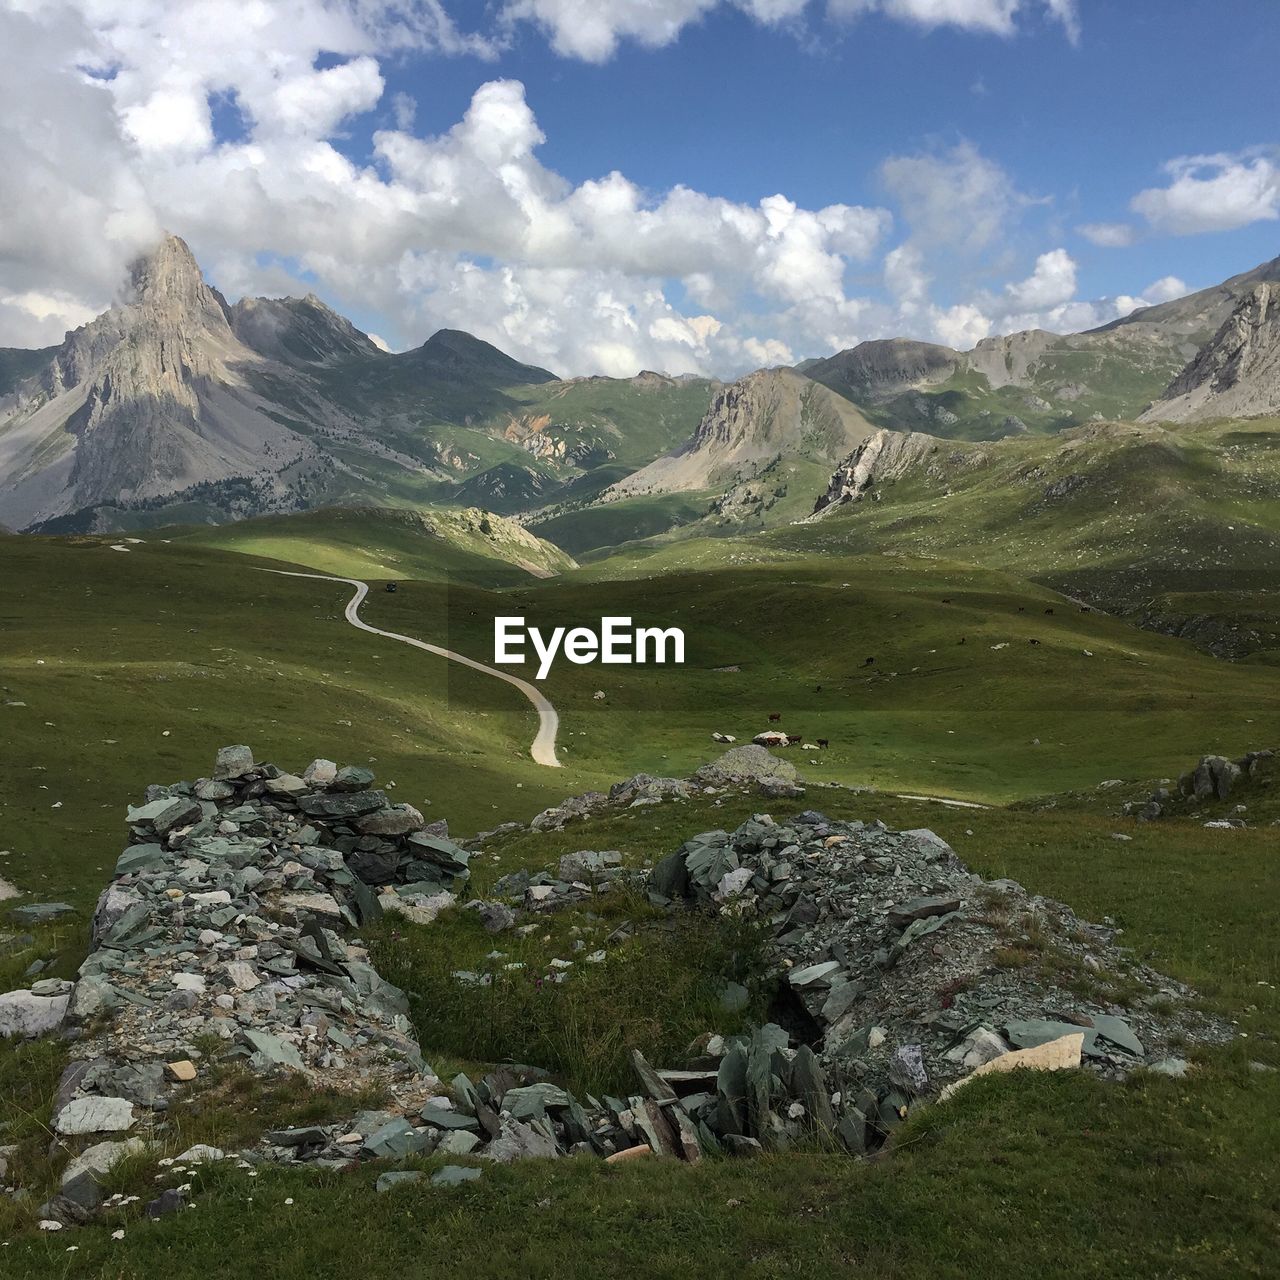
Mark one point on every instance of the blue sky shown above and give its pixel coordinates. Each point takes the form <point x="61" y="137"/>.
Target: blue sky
<point x="948" y="168"/>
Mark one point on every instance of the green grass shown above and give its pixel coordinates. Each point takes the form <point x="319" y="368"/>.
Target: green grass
<point x="362" y="542"/>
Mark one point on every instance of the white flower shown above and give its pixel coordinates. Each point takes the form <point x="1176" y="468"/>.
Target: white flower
<point x="118" y="1234"/>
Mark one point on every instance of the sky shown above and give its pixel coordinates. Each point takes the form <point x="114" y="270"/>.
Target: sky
<point x="604" y="186"/>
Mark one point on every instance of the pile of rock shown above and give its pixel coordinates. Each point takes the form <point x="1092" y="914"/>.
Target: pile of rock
<point x="747" y="766"/>
<point x="225" y="923"/>
<point x="1213" y="778"/>
<point x="904" y="971"/>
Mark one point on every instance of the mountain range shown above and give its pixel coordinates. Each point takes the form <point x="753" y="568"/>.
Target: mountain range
<point x="175" y="406"/>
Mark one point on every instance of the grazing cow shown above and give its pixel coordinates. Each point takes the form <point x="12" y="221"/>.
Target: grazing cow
<point x="1022" y="608"/>
<point x="794" y="739"/>
<point x="962" y="639"/>
<point x="823" y="744"/>
<point x="391" y="586"/>
<point x="946" y="602"/>
<point x="1048" y="611"/>
<point x="870" y="662"/>
<point x="817" y="689"/>
<point x="1035" y="642"/>
<point x="1084" y="608"/>
<point x="775" y="716"/>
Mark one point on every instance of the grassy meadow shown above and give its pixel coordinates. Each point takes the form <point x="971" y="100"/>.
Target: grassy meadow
<point x="122" y="668"/>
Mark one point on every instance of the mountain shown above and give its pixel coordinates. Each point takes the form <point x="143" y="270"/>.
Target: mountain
<point x="1175" y="526"/>
<point x="1034" y="381"/>
<point x="1196" y="317"/>
<point x="150" y="399"/>
<point x="175" y="406"/>
<point x="1237" y="373"/>
<point x="452" y="354"/>
<point x="879" y="370"/>
<point x="299" y="331"/>
<point x="767" y="415"/>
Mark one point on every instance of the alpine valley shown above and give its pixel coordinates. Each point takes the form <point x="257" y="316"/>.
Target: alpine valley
<point x="317" y="922"/>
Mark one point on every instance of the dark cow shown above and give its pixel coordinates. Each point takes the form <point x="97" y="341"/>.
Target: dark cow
<point x="1084" y="608"/>
<point x="1048" y="611"/>
<point x="391" y="586"/>
<point x="823" y="744"/>
<point x="794" y="739"/>
<point x="870" y="662"/>
<point x="946" y="602"/>
<point x="775" y="716"/>
<point x="962" y="639"/>
<point x="1036" y="642"/>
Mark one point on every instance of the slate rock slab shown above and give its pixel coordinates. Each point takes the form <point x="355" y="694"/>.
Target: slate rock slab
<point x="25" y="1015"/>
<point x="94" y="1115"/>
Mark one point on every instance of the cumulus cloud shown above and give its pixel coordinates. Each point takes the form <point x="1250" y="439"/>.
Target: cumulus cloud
<point x="468" y="228"/>
<point x="593" y="29"/>
<point x="1213" y="193"/>
<point x="1052" y="283"/>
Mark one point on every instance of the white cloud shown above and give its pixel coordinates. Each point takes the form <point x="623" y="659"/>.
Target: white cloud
<point x="962" y="326"/>
<point x="996" y="17"/>
<point x="1109" y="235"/>
<point x="956" y="198"/>
<point x="1052" y="283"/>
<point x="592" y="30"/>
<point x="1213" y="193"/>
<point x="1166" y="289"/>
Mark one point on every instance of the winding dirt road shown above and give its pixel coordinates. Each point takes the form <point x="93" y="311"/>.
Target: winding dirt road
<point x="543" y="749"/>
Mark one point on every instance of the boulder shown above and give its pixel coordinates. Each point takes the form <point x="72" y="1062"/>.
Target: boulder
<point x="232" y="763"/>
<point x="26" y="1015"/>
<point x="746" y="764"/>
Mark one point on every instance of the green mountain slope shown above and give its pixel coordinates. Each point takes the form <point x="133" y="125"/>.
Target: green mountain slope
<point x="360" y="542"/>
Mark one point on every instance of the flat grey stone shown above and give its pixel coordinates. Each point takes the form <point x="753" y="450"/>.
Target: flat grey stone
<point x="27" y="1015"/>
<point x="94" y="1115"/>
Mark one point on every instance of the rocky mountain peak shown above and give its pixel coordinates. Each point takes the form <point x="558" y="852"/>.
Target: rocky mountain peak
<point x="169" y="279"/>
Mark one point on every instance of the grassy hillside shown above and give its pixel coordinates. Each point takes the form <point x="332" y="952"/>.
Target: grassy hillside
<point x="358" y="542"/>
<point x="1035" y="382"/>
<point x="1177" y="528"/>
<point x="628" y="420"/>
<point x="121" y="668"/>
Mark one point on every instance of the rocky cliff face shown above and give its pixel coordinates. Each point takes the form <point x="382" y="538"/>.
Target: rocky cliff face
<point x="300" y="331"/>
<point x="768" y="414"/>
<point x="1237" y="373"/>
<point x="884" y="455"/>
